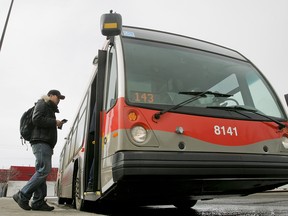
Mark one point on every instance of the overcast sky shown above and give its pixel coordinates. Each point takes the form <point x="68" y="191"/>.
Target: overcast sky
<point x="50" y="44"/>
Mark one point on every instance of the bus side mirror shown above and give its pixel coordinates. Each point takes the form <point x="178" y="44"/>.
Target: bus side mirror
<point x="286" y="98"/>
<point x="111" y="24"/>
<point x="95" y="60"/>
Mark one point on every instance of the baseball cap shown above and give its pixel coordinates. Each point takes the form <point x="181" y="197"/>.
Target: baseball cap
<point x="57" y="93"/>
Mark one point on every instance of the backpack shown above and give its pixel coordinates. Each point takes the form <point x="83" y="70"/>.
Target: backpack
<point x="26" y="125"/>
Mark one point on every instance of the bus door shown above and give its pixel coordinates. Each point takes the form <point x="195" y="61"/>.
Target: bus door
<point x="93" y="157"/>
<point x="110" y="117"/>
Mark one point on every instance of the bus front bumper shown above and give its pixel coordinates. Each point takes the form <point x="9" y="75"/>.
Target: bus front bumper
<point x="199" y="165"/>
<point x="195" y="175"/>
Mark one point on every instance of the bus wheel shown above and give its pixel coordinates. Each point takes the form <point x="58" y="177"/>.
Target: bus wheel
<point x="185" y="204"/>
<point x="78" y="201"/>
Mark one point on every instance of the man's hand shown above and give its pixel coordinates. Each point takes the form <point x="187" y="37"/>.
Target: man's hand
<point x="59" y="124"/>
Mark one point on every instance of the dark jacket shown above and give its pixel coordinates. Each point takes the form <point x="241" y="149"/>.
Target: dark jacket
<point x="44" y="119"/>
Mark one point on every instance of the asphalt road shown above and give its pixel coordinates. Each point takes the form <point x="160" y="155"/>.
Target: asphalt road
<point x="262" y="204"/>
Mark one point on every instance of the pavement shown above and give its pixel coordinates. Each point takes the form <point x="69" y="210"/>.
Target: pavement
<point x="8" y="207"/>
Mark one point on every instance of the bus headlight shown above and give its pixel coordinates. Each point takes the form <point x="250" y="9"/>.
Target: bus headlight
<point x="139" y="134"/>
<point x="285" y="142"/>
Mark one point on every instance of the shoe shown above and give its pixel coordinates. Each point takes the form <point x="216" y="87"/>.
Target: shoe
<point x="22" y="204"/>
<point x="43" y="207"/>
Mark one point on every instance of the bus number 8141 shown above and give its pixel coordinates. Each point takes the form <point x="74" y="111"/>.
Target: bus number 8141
<point x="222" y="130"/>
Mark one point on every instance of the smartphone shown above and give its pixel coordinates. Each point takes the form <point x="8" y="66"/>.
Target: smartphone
<point x="63" y="121"/>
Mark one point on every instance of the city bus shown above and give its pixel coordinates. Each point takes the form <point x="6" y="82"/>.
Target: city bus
<point x="169" y="120"/>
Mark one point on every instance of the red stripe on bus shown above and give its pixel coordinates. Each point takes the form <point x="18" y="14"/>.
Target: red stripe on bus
<point x="226" y="132"/>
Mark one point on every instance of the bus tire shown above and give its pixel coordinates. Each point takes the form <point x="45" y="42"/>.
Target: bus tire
<point x="77" y="201"/>
<point x="185" y="204"/>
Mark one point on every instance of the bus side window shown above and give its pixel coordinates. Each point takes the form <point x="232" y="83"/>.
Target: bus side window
<point x="111" y="82"/>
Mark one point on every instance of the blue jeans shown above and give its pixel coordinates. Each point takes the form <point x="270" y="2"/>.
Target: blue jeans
<point x="37" y="184"/>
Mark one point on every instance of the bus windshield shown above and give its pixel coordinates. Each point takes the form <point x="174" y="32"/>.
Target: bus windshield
<point x="160" y="75"/>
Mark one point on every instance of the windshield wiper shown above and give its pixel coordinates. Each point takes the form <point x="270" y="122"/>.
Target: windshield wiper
<point x="190" y="100"/>
<point x="251" y="110"/>
<point x="216" y="94"/>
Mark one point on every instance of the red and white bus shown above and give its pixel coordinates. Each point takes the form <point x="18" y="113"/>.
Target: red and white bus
<point x="169" y="119"/>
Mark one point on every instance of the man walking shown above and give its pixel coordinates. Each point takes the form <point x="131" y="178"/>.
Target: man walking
<point x="43" y="140"/>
